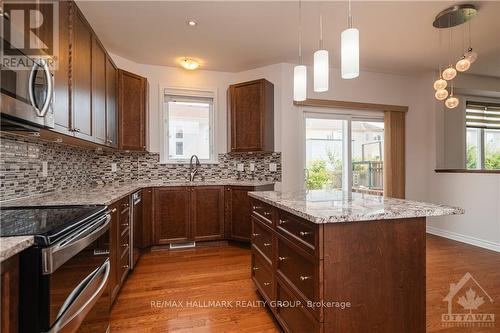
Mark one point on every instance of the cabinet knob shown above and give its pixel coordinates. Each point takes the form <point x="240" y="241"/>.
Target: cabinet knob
<point x="267" y="213"/>
<point x="255" y="268"/>
<point x="267" y="284"/>
<point x="125" y="245"/>
<point x="304" y="233"/>
<point x="267" y="244"/>
<point x="125" y="266"/>
<point x="255" y="235"/>
<point x="113" y="210"/>
<point x="282" y="222"/>
<point x="303" y="278"/>
<point x="281" y="258"/>
<point x="125" y="225"/>
<point x="256" y="207"/>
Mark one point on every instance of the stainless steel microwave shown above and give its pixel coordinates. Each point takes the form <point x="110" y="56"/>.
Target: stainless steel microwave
<point x="27" y="93"/>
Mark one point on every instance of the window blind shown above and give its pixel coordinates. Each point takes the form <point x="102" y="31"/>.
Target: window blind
<point x="482" y="115"/>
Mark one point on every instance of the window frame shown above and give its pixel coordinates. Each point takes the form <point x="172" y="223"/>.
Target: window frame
<point x="188" y="93"/>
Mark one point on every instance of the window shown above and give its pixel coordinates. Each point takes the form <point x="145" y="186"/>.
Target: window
<point x="329" y="161"/>
<point x="483" y="135"/>
<point x="188" y="127"/>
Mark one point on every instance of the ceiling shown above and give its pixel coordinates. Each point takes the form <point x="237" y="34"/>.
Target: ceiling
<point x="395" y="36"/>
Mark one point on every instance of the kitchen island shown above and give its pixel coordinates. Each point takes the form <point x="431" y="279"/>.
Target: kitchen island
<point x="329" y="261"/>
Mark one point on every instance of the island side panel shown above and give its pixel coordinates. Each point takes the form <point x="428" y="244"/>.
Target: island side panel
<point x="378" y="266"/>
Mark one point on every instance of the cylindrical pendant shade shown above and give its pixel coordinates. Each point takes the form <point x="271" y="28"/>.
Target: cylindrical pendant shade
<point x="299" y="83"/>
<point x="350" y="53"/>
<point x="321" y="69"/>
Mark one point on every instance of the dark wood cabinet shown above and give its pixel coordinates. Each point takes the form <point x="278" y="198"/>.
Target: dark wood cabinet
<point x="132" y="92"/>
<point x="81" y="75"/>
<point x="9" y="283"/>
<point x="98" y="92"/>
<point x="171" y="215"/>
<point x="207" y="212"/>
<point x="114" y="248"/>
<point x="239" y="211"/>
<point x="111" y="104"/>
<point x="147" y="218"/>
<point x="251" y="116"/>
<point x="60" y="105"/>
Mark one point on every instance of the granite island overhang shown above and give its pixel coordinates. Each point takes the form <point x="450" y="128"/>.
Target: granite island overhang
<point x="352" y="262"/>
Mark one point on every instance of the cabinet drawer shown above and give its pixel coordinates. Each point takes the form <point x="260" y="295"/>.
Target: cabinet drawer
<point x="124" y="265"/>
<point x="261" y="275"/>
<point x="302" y="232"/>
<point x="124" y="240"/>
<point x="262" y="210"/>
<point x="292" y="313"/>
<point x="124" y="224"/>
<point x="298" y="271"/>
<point x="262" y="238"/>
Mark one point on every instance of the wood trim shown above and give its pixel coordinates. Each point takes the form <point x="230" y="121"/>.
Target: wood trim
<point x="330" y="103"/>
<point x="466" y="171"/>
<point x="394" y="154"/>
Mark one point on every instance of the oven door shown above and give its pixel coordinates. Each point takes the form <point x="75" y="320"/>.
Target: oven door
<point x="78" y="297"/>
<point x="27" y="93"/>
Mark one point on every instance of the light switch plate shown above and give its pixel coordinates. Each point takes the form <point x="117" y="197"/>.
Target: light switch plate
<point x="113" y="167"/>
<point x="272" y="167"/>
<point x="45" y="169"/>
<point x="240" y="167"/>
<point x="252" y="167"/>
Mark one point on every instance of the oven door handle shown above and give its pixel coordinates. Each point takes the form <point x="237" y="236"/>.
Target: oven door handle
<point x="81" y="300"/>
<point x="54" y="256"/>
<point x="31" y="87"/>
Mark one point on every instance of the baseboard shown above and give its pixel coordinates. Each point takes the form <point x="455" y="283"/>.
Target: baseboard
<point x="489" y="245"/>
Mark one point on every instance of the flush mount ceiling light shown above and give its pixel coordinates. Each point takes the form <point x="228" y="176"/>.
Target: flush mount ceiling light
<point x="447" y="19"/>
<point x="300" y="71"/>
<point x="349" y="49"/>
<point x="189" y="64"/>
<point x="191" y="23"/>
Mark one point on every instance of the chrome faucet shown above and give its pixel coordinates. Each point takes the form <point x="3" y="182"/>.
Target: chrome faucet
<point x="193" y="171"/>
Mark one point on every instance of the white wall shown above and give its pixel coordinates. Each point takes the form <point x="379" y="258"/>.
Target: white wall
<point x="478" y="194"/>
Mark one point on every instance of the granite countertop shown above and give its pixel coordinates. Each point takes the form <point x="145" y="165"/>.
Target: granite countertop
<point x="328" y="206"/>
<point x="10" y="246"/>
<point x="107" y="194"/>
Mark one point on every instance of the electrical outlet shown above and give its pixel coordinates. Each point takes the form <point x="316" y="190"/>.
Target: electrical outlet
<point x="272" y="167"/>
<point x="240" y="167"/>
<point x="252" y="167"/>
<point x="113" y="167"/>
<point x="45" y="169"/>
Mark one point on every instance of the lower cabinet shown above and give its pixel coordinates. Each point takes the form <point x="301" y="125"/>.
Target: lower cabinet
<point x="171" y="215"/>
<point x="207" y="213"/>
<point x="147" y="219"/>
<point x="9" y="283"/>
<point x="119" y="245"/>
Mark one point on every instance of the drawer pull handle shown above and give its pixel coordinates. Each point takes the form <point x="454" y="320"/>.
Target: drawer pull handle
<point x="125" y="245"/>
<point x="267" y="213"/>
<point x="125" y="266"/>
<point x="113" y="210"/>
<point x="281" y="258"/>
<point x="255" y="235"/>
<point x="267" y="244"/>
<point x="267" y="284"/>
<point x="282" y="221"/>
<point x="303" y="278"/>
<point x="125" y="225"/>
<point x="256" y="207"/>
<point x="255" y="268"/>
<point x="304" y="233"/>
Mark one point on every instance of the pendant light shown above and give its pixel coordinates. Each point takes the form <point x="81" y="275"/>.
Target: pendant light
<point x="463" y="64"/>
<point x="450" y="72"/>
<point x="321" y="63"/>
<point x="470" y="55"/>
<point x="349" y="40"/>
<point x="440" y="83"/>
<point x="441" y="94"/>
<point x="300" y="71"/>
<point x="451" y="102"/>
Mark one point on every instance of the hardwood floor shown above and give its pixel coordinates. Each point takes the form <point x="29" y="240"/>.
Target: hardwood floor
<point x="222" y="273"/>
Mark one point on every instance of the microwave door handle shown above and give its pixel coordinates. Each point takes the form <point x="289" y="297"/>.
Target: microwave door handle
<point x="81" y="300"/>
<point x="50" y="87"/>
<point x="53" y="257"/>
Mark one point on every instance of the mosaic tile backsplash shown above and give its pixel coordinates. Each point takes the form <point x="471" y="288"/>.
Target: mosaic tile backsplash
<point x="21" y="172"/>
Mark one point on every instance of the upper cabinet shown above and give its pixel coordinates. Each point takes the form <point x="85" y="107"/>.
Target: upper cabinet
<point x="111" y="104"/>
<point x="251" y="116"/>
<point x="98" y="92"/>
<point x="132" y="96"/>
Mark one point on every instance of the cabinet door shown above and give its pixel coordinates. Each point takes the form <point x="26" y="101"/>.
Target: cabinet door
<point x="246" y="117"/>
<point x="171" y="215"/>
<point x="132" y="111"/>
<point x="98" y="92"/>
<point x="147" y="218"/>
<point x="111" y="105"/>
<point x="81" y="75"/>
<point x="61" y="104"/>
<point x="9" y="283"/>
<point x="239" y="213"/>
<point x="207" y="212"/>
<point x="114" y="253"/>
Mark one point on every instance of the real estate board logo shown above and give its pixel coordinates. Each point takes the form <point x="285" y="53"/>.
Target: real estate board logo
<point x="464" y="300"/>
<point x="30" y="32"/>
